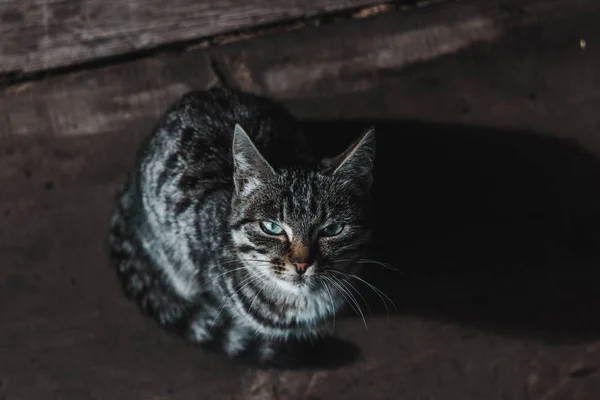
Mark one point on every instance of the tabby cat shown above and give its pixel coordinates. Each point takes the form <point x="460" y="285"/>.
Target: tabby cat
<point x="231" y="233"/>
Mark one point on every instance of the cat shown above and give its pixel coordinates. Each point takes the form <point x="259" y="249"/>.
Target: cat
<point x="231" y="233"/>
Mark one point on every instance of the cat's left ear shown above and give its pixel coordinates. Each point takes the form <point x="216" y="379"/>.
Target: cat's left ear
<point x="356" y="163"/>
<point x="249" y="166"/>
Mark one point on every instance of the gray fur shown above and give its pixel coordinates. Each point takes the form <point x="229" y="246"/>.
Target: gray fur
<point x="185" y="235"/>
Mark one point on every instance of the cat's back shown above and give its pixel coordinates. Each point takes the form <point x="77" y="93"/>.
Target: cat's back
<point x="196" y="132"/>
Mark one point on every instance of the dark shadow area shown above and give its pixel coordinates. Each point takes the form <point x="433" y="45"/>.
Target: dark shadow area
<point x="494" y="229"/>
<point x="325" y="353"/>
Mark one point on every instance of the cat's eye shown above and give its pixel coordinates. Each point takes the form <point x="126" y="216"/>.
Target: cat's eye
<point x="332" y="230"/>
<point x="271" y="228"/>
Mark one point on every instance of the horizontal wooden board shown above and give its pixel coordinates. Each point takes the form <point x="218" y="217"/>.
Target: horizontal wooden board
<point x="525" y="64"/>
<point x="102" y="100"/>
<point x="501" y="63"/>
<point x="538" y="76"/>
<point x="41" y="34"/>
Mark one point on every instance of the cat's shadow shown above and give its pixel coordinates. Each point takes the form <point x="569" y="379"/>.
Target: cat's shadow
<point x="495" y="229"/>
<point x="329" y="352"/>
<point x="326" y="353"/>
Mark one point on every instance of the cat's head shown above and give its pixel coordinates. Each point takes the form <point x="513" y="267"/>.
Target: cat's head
<point x="301" y="227"/>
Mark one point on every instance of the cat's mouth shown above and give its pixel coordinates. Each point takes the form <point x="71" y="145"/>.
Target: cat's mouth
<point x="300" y="280"/>
<point x="289" y="280"/>
<point x="294" y="278"/>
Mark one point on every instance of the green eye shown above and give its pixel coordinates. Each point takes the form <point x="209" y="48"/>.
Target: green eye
<point x="332" y="230"/>
<point x="271" y="228"/>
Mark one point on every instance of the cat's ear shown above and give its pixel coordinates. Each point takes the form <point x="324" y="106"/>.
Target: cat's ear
<point x="249" y="166"/>
<point x="356" y="163"/>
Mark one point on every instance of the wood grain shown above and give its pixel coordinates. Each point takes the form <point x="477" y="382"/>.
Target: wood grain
<point x="41" y="34"/>
<point x="102" y="100"/>
<point x="501" y="63"/>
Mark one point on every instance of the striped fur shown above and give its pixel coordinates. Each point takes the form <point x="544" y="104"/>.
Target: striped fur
<point x="185" y="236"/>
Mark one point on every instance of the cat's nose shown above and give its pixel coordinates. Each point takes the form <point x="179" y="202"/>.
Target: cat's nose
<point x="301" y="268"/>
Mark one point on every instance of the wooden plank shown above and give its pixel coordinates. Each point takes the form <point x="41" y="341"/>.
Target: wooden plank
<point x="499" y="63"/>
<point x="438" y="63"/>
<point x="102" y="100"/>
<point x="41" y="34"/>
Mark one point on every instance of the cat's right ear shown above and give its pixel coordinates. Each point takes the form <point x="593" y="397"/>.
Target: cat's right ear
<point x="249" y="166"/>
<point x="356" y="163"/>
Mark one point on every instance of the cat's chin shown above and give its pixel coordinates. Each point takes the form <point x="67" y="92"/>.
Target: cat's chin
<point x="293" y="285"/>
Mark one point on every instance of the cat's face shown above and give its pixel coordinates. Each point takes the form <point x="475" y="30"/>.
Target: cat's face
<point x="301" y="228"/>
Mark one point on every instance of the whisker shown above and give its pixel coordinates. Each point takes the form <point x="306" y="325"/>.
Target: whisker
<point x="377" y="291"/>
<point x="337" y="287"/>
<point x="345" y="284"/>
<point x="332" y="304"/>
<point x="355" y="290"/>
<point x="226" y="272"/>
<point x="387" y="311"/>
<point x="221" y="275"/>
<point x="385" y="265"/>
<point x="264" y="285"/>
<point x="341" y="285"/>
<point x="369" y="261"/>
<point x="243" y="284"/>
<point x="243" y="259"/>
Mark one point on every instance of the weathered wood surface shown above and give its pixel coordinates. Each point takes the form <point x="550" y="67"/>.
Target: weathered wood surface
<point x="512" y="325"/>
<point x="102" y="100"/>
<point x="438" y="63"/>
<point x="500" y="63"/>
<point x="41" y="34"/>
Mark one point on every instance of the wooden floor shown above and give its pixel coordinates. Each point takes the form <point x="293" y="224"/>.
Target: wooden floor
<point x="488" y="130"/>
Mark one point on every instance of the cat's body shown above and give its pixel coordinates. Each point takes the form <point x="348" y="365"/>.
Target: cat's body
<point x="206" y="232"/>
